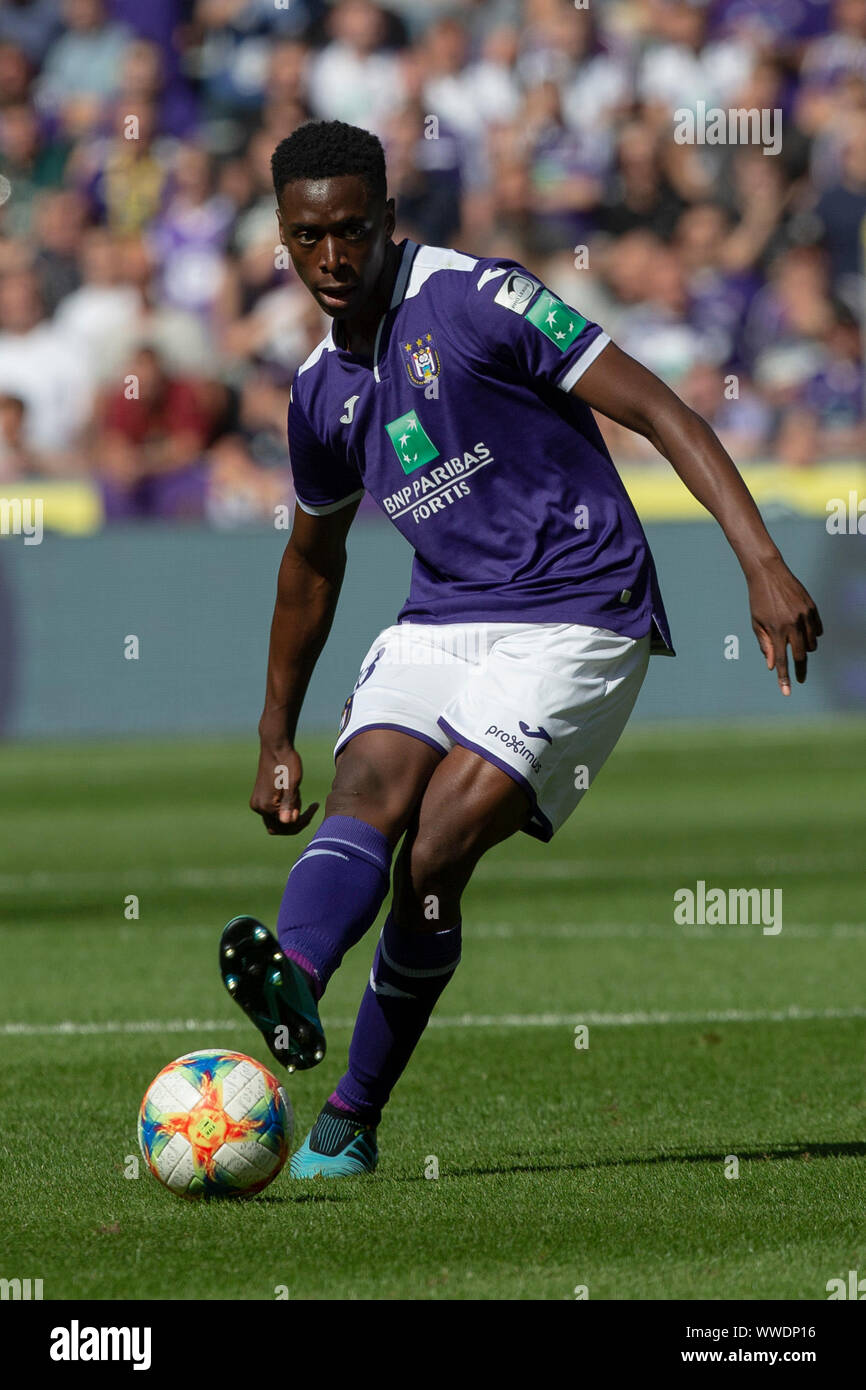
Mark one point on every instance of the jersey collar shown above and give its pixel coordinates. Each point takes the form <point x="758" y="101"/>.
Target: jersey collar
<point x="401" y="284"/>
<point x="402" y="281"/>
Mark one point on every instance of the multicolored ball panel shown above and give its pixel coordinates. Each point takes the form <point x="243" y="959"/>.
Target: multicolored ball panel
<point x="215" y="1124"/>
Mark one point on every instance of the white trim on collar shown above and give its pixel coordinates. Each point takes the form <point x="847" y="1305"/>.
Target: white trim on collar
<point x="403" y="273"/>
<point x="400" y="284"/>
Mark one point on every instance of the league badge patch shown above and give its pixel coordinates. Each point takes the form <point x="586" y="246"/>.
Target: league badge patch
<point x="516" y="291"/>
<point x="422" y="360"/>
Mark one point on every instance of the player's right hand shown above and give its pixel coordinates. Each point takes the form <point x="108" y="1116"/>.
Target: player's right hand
<point x="277" y="793"/>
<point x="783" y="615"/>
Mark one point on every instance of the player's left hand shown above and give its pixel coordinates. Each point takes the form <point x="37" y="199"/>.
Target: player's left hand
<point x="783" y="615"/>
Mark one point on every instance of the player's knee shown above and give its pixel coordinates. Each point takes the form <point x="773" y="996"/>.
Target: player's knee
<point x="360" y="790"/>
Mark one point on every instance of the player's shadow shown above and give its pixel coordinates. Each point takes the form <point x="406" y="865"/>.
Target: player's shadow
<point x="804" y="1151"/>
<point x="338" y="1192"/>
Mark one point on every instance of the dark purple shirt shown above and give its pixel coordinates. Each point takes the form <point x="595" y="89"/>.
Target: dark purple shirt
<point x="463" y="430"/>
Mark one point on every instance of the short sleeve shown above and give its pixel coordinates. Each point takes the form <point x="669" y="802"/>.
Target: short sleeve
<point x="323" y="482"/>
<point x="514" y="318"/>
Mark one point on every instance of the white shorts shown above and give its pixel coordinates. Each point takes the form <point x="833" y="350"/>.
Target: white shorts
<point x="545" y="702"/>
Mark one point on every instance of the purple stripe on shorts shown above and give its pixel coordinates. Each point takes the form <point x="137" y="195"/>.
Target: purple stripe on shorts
<point x="398" y="728"/>
<point x="543" y="832"/>
<point x="545" y="829"/>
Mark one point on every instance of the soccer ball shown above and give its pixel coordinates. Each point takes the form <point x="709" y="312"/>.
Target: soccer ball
<point x="215" y="1124"/>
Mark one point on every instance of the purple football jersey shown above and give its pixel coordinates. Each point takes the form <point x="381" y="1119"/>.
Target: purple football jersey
<point x="463" y="430"/>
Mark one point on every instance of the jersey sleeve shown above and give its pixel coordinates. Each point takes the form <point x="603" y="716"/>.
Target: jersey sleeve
<point x="512" y="317"/>
<point x="323" y="481"/>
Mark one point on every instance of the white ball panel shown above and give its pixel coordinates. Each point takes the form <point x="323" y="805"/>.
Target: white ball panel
<point x="183" y="1172"/>
<point x="177" y="1148"/>
<point x="250" y="1089"/>
<point x="242" y="1070"/>
<point x="173" y="1092"/>
<point x="247" y="1160"/>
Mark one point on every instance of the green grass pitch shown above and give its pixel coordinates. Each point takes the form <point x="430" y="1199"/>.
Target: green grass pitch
<point x="559" y="1167"/>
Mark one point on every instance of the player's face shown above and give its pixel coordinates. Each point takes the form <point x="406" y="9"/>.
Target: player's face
<point x="337" y="237"/>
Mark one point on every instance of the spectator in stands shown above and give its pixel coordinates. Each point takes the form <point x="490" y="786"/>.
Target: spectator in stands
<point x="639" y="192"/>
<point x="123" y="175"/>
<point x="741" y="419"/>
<point x="829" y="63"/>
<point x="81" y="67"/>
<point x="792" y="310"/>
<point x="681" y="67"/>
<point x="30" y="163"/>
<point x="355" y="78"/>
<point x="17" y="459"/>
<point x="37" y="366"/>
<point x="658" y="331"/>
<point x="32" y="26"/>
<point x="758" y="197"/>
<point x="149" y="443"/>
<point x="841" y="210"/>
<point x="190" y="235"/>
<point x="285" y="102"/>
<point x="425" y="175"/>
<point x="142" y="79"/>
<point x="15" y="76"/>
<point x="181" y="338"/>
<point x="59" y="219"/>
<point x="566" y="172"/>
<point x="248" y="466"/>
<point x="826" y="417"/>
<point x="250" y="186"/>
<point x="720" y="286"/>
<point x="98" y="317"/>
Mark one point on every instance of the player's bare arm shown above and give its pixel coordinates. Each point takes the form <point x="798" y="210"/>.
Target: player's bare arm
<point x="308" y="587"/>
<point x="783" y="614"/>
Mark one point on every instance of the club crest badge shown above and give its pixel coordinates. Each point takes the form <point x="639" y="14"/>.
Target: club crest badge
<point x="347" y="712"/>
<point x="422" y="360"/>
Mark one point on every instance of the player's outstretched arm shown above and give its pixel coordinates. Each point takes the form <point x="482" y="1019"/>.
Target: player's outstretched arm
<point x="308" y="587"/>
<point x="783" y="614"/>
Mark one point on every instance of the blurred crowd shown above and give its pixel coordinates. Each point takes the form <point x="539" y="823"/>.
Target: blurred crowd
<point x="149" y="329"/>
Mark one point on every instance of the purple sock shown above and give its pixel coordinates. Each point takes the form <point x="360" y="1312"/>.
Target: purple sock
<point x="410" y="971"/>
<point x="333" y="894"/>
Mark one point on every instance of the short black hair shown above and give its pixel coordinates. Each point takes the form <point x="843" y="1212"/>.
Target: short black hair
<point x="328" y="150"/>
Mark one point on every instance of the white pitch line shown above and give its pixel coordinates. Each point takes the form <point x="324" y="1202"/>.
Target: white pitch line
<point x="566" y="931"/>
<point x="791" y="1014"/>
<point x="638" y="931"/>
<point x="124" y="879"/>
<point x="127" y="879"/>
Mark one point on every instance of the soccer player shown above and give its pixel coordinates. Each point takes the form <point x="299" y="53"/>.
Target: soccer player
<point x="458" y="391"/>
